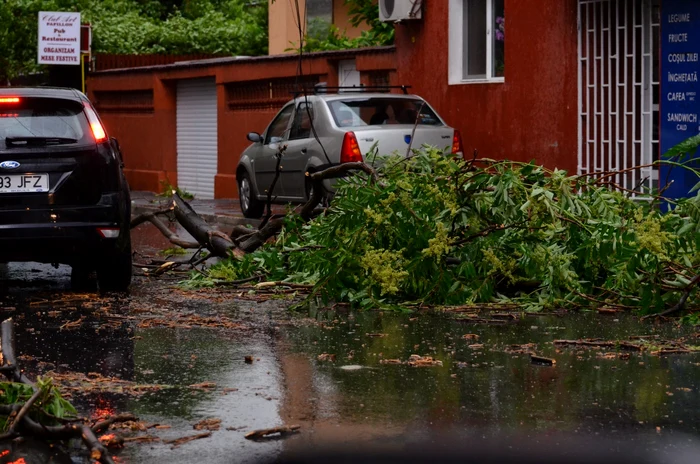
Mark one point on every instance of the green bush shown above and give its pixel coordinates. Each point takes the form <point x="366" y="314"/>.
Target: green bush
<point x="440" y="231"/>
<point x="227" y="27"/>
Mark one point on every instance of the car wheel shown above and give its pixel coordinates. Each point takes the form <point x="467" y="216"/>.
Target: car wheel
<point x="250" y="205"/>
<point x="81" y="278"/>
<point x="114" y="269"/>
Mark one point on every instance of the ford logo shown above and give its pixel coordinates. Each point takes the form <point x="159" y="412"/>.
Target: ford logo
<point x="9" y="165"/>
<point x="407" y="138"/>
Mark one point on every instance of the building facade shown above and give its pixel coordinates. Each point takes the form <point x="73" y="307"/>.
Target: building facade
<point x="582" y="85"/>
<point x="185" y="123"/>
<point x="316" y="18"/>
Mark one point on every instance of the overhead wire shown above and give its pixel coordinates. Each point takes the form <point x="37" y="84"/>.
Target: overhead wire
<point x="300" y="76"/>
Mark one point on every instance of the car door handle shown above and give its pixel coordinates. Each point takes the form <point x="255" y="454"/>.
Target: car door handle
<point x="304" y="150"/>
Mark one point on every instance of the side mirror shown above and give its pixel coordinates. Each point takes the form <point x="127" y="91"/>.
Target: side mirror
<point x="254" y="137"/>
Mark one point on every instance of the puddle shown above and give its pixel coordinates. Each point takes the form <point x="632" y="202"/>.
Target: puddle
<point x="485" y="383"/>
<point x="357" y="379"/>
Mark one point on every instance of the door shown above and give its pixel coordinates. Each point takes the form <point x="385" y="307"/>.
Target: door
<point x="296" y="157"/>
<point x="619" y="90"/>
<point x="196" y="117"/>
<point x="265" y="160"/>
<point x="348" y="75"/>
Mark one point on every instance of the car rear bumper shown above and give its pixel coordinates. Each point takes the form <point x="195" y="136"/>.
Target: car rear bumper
<point x="59" y="235"/>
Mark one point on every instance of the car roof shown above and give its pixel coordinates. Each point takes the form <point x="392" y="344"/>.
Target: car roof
<point x="44" y="92"/>
<point x="365" y="95"/>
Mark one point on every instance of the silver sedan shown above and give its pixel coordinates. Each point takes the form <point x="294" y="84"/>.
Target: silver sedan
<point x="312" y="132"/>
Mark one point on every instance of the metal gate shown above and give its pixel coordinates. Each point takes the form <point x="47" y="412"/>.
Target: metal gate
<point x="197" y="136"/>
<point x="619" y="90"/>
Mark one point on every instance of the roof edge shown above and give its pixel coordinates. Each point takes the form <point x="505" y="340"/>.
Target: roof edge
<point x="246" y="59"/>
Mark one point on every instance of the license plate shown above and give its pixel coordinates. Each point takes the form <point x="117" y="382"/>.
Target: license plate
<point x="21" y="183"/>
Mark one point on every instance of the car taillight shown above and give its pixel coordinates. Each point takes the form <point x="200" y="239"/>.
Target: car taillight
<point x="95" y="125"/>
<point x="9" y="99"/>
<point x="350" y="152"/>
<point x="457" y="143"/>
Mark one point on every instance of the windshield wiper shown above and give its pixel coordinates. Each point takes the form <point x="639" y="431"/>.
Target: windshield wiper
<point x="37" y="141"/>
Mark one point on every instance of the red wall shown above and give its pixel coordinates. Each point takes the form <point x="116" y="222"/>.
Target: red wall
<point x="534" y="113"/>
<point x="138" y="106"/>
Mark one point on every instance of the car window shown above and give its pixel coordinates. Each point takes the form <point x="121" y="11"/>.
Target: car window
<point x="43" y="117"/>
<point x="301" y="127"/>
<point x="353" y="112"/>
<point x="277" y="131"/>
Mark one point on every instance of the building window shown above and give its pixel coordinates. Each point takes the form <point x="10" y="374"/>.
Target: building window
<point x="319" y="18"/>
<point x="477" y="41"/>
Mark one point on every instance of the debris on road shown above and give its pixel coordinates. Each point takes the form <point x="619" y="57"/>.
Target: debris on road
<point x="181" y="441"/>
<point x="415" y="361"/>
<point x="208" y="424"/>
<point x="534" y="359"/>
<point x="263" y="433"/>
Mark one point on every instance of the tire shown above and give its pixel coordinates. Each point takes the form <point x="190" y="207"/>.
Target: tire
<point x="81" y="278"/>
<point x="114" y="269"/>
<point x="250" y="205"/>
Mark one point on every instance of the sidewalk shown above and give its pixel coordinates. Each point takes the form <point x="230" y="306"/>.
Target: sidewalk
<point x="223" y="213"/>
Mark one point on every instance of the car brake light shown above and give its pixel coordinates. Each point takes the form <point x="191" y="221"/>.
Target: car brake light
<point x="95" y="125"/>
<point x="9" y="99"/>
<point x="457" y="143"/>
<point x="350" y="152"/>
<point x="108" y="232"/>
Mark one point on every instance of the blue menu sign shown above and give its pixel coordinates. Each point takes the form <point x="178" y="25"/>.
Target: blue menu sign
<point x="680" y="88"/>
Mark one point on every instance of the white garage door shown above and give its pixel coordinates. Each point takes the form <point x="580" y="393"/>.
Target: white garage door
<point x="196" y="136"/>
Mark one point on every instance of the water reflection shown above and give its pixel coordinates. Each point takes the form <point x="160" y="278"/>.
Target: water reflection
<point x="244" y="396"/>
<point x="488" y="388"/>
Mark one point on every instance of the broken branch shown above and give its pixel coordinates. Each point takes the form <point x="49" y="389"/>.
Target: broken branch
<point x="216" y="242"/>
<point x="22" y="423"/>
<point x="282" y="430"/>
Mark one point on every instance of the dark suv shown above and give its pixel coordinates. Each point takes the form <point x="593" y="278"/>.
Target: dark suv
<point x="63" y="195"/>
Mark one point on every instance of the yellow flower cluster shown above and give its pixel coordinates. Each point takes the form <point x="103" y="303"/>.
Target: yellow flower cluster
<point x="374" y="216"/>
<point x="649" y="234"/>
<point x="498" y="266"/>
<point x="385" y="267"/>
<point x="440" y="245"/>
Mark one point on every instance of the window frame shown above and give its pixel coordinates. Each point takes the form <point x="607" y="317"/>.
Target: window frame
<point x="456" y="45"/>
<point x="301" y="108"/>
<point x="267" y="140"/>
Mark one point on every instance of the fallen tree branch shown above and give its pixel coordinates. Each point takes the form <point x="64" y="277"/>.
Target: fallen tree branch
<point x="242" y="239"/>
<point x="146" y="217"/>
<point x="218" y="243"/>
<point x="274" y="226"/>
<point x="104" y="424"/>
<point x="601" y="344"/>
<point x="22" y="424"/>
<point x="181" y="441"/>
<point x="280" y="152"/>
<point x="23" y="412"/>
<point x="488" y="230"/>
<point x="282" y="430"/>
<point x="169" y="234"/>
<point x="239" y="281"/>
<point x="680" y="306"/>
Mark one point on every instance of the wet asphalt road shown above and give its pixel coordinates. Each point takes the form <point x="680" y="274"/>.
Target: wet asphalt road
<point x="174" y="358"/>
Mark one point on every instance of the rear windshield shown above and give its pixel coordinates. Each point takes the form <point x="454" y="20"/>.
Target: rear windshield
<point x="355" y="112"/>
<point x="43" y="117"/>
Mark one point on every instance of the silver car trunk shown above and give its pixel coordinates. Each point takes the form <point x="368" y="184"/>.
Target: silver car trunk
<point x="396" y="138"/>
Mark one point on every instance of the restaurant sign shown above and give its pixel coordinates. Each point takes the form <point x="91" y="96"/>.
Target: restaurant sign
<point x="59" y="38"/>
<point x="680" y="90"/>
